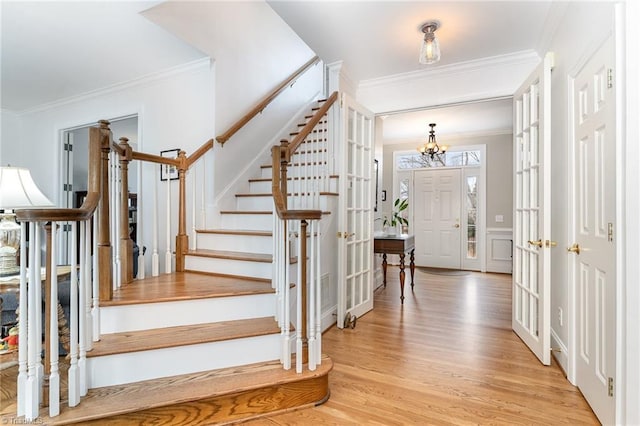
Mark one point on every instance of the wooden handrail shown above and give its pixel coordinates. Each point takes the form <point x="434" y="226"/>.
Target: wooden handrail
<point x="304" y="132"/>
<point x="152" y="158"/>
<point x="266" y="101"/>
<point x="200" y="152"/>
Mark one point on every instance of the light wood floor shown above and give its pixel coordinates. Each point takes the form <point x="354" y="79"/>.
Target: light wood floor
<point x="447" y="356"/>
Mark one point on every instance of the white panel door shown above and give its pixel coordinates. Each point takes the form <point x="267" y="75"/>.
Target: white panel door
<point x="437" y="213"/>
<point x="532" y="227"/>
<point x="355" y="283"/>
<point x="594" y="252"/>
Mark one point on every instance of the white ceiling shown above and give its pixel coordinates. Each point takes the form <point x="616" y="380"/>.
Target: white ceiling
<point x="382" y="38"/>
<point x="53" y="50"/>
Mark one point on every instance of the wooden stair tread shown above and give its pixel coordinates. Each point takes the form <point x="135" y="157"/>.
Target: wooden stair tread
<point x="186" y="286"/>
<point x="235" y="232"/>
<point x="290" y="178"/>
<point x="110" y="401"/>
<point x="168" y="337"/>
<point x="268" y="194"/>
<point x="246" y="212"/>
<point x="232" y="255"/>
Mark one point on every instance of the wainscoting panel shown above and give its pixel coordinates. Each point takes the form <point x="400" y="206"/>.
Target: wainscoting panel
<point x="500" y="250"/>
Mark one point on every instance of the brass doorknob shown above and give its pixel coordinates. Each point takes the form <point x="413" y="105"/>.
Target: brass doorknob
<point x="536" y="243"/>
<point x="575" y="248"/>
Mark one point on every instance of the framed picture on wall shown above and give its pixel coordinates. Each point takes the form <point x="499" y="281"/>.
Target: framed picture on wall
<point x="168" y="172"/>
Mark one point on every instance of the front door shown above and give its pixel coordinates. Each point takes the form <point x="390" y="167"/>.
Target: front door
<point x="437" y="218"/>
<point x="355" y="283"/>
<point x="532" y="241"/>
<point x="593" y="254"/>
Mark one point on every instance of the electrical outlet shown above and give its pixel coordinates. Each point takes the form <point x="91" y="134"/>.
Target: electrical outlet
<point x="499" y="218"/>
<point x="560" y="316"/>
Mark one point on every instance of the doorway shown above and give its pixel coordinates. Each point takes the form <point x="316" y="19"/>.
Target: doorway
<point x="74" y="170"/>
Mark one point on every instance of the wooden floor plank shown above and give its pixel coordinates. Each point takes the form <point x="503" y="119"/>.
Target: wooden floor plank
<point x="446" y="356"/>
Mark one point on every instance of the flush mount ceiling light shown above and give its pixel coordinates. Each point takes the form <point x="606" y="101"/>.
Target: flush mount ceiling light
<point x="430" y="50"/>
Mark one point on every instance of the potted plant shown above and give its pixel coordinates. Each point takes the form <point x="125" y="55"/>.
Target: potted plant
<point x="396" y="216"/>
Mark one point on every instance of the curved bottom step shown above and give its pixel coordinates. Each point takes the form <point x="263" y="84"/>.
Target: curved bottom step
<point x="219" y="396"/>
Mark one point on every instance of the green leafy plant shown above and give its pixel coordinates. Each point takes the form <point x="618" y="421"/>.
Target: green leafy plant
<point x="396" y="216"/>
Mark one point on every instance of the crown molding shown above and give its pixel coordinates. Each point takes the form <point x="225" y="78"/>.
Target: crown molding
<point x="449" y="137"/>
<point x="516" y="58"/>
<point x="557" y="11"/>
<point x="139" y="81"/>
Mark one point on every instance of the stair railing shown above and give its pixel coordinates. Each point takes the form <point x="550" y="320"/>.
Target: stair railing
<point x="96" y="269"/>
<point x="297" y="216"/>
<point x="289" y="81"/>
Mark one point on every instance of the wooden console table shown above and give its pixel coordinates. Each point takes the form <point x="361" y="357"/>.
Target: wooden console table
<point x="396" y="244"/>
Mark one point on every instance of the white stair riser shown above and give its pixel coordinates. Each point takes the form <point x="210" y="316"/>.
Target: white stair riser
<point x="256" y="222"/>
<point x="117" y="319"/>
<point x="137" y="366"/>
<point x="233" y="242"/>
<point x="242" y="268"/>
<point x="263" y="187"/>
<point x="260" y="203"/>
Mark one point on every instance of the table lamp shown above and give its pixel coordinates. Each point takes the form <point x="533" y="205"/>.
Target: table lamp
<point x="17" y="191"/>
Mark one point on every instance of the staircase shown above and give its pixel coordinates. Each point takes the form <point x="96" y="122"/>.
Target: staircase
<point x="204" y="341"/>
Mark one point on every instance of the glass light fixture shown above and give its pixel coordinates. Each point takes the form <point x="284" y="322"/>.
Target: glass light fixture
<point x="431" y="148"/>
<point x="430" y="50"/>
<point x="17" y="191"/>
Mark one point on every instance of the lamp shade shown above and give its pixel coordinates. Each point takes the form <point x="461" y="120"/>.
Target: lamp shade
<point x="19" y="191"/>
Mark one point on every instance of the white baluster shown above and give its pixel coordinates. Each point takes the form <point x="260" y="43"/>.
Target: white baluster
<point x="318" y="293"/>
<point x="155" y="258"/>
<point x="312" y="298"/>
<point x="203" y="183"/>
<point x="117" y="205"/>
<point x="82" y="319"/>
<point x="22" y="324"/>
<point x="95" y="282"/>
<point x="36" y="282"/>
<point x="167" y="255"/>
<point x="284" y="264"/>
<point x="299" y="353"/>
<point x="140" y="224"/>
<point x="194" y="185"/>
<point x="54" y="373"/>
<point x="113" y="224"/>
<point x="31" y="400"/>
<point x="73" y="378"/>
<point x="88" y="287"/>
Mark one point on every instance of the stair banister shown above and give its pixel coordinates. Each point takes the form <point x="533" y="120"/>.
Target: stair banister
<point x="224" y="137"/>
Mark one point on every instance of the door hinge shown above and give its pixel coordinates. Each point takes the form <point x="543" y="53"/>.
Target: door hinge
<point x="610" y="232"/>
<point x="610" y="78"/>
<point x="66" y="228"/>
<point x="610" y="386"/>
<point x="68" y="147"/>
<point x="67" y="187"/>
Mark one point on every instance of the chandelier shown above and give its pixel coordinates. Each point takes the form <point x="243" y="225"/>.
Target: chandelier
<point x="431" y="148"/>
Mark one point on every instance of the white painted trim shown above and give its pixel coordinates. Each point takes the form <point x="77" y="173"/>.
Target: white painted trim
<point x="524" y="56"/>
<point x="561" y="355"/>
<point x="140" y="81"/>
<point x="474" y="101"/>
<point x="551" y="25"/>
<point x="328" y="318"/>
<point x="498" y="265"/>
<point x="454" y="136"/>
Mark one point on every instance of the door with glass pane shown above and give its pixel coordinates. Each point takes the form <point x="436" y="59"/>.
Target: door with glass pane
<point x="355" y="236"/>
<point x="531" y="275"/>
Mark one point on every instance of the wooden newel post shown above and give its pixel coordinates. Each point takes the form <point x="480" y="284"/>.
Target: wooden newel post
<point x="126" y="243"/>
<point x="303" y="290"/>
<point x="182" y="239"/>
<point x="103" y="136"/>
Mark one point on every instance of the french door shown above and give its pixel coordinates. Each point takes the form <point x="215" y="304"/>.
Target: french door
<point x="355" y="264"/>
<point x="532" y="227"/>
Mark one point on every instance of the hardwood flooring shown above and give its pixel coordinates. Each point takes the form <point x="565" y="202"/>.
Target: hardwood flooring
<point x="447" y="356"/>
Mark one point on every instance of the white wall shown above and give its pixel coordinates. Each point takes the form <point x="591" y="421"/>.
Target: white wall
<point x="9" y="138"/>
<point x="254" y="50"/>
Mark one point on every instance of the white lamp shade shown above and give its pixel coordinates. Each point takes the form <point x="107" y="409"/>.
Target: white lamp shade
<point x="19" y="191"/>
